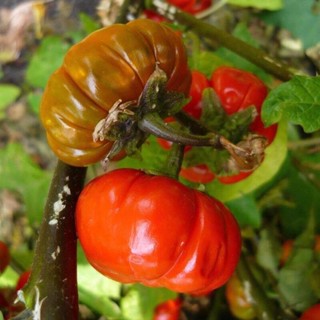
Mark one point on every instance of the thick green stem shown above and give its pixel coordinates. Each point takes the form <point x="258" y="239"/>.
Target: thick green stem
<point x="152" y="123"/>
<point x="247" y="158"/>
<point x="174" y="161"/>
<point x="252" y="54"/>
<point x="191" y="123"/>
<point x="53" y="280"/>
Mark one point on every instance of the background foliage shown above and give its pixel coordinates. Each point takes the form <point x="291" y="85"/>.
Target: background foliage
<point x="279" y="201"/>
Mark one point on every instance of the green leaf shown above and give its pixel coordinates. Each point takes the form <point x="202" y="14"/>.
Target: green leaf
<point x="299" y="272"/>
<point x="98" y="284"/>
<point x="8" y="94"/>
<point x="89" y="25"/>
<point x="146" y="159"/>
<point x="95" y="291"/>
<point x="268" y="5"/>
<point x="140" y="301"/>
<point x="246" y="211"/>
<point x="298" y="17"/>
<point x="207" y="61"/>
<point x="100" y="304"/>
<point x="269" y="250"/>
<point x="18" y="172"/>
<point x="46" y="60"/>
<point x="8" y="278"/>
<point x="295" y="281"/>
<point x="275" y="155"/>
<point x="24" y="255"/>
<point x="34" y="100"/>
<point x="297" y="101"/>
<point x="304" y="196"/>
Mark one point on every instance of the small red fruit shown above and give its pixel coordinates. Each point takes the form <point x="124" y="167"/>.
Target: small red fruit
<point x="313" y="313"/>
<point x="4" y="256"/>
<point x="168" y="310"/>
<point x="200" y="173"/>
<point x="23" y="279"/>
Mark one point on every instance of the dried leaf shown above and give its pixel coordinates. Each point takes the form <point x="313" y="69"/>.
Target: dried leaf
<point x="15" y="24"/>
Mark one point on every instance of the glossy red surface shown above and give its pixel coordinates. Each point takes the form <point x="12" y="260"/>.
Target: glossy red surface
<point x="313" y="313"/>
<point x="191" y="6"/>
<point x="168" y="310"/>
<point x="111" y="64"/>
<point x="237" y="90"/>
<point x="23" y="279"/>
<point x="135" y="227"/>
<point x="234" y="178"/>
<point x="199" y="174"/>
<point x="4" y="256"/>
<point x="198" y="84"/>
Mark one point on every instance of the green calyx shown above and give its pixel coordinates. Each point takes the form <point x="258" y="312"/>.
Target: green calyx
<point x="129" y="123"/>
<point x="233" y="127"/>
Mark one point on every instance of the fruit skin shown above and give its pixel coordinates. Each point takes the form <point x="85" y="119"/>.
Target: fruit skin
<point x="200" y="173"/>
<point x="23" y="279"/>
<point x="198" y="84"/>
<point x="168" y="310"/>
<point x="149" y="14"/>
<point x="237" y="90"/>
<point x="194" y="107"/>
<point x="191" y="6"/>
<point x="110" y="64"/>
<point x="235" y="177"/>
<point x="238" y="302"/>
<point x="136" y="227"/>
<point x="4" y="256"/>
<point x="313" y="313"/>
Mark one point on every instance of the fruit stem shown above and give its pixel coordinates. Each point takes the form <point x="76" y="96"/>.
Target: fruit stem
<point x="54" y="273"/>
<point x="191" y="123"/>
<point x="246" y="158"/>
<point x="245" y="50"/>
<point x="152" y="123"/>
<point x="173" y="162"/>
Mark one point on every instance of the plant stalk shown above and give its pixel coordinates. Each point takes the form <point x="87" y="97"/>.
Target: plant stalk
<point x="53" y="278"/>
<point x="246" y="158"/>
<point x="191" y="123"/>
<point x="252" y="54"/>
<point x="173" y="162"/>
<point x="152" y="123"/>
